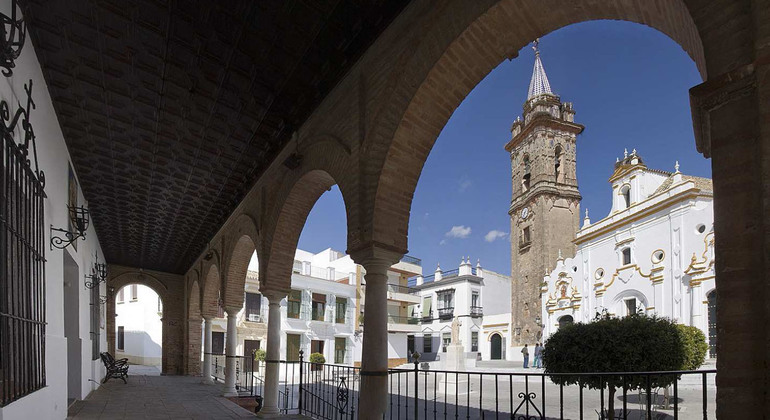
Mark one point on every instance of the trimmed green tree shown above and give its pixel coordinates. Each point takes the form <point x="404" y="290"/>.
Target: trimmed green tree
<point x="695" y="345"/>
<point x="636" y="343"/>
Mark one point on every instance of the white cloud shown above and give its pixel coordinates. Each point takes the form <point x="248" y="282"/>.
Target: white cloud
<point x="494" y="235"/>
<point x="460" y="232"/>
<point x="443" y="242"/>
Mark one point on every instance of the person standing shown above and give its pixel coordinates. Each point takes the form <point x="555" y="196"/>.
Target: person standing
<point x="525" y="353"/>
<point x="538" y="356"/>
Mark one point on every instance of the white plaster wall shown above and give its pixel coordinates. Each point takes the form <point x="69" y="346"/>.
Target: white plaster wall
<point x="143" y="329"/>
<point x="53" y="157"/>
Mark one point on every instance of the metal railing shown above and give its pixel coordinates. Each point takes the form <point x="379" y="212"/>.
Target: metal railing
<point x="477" y="311"/>
<point x="446" y="313"/>
<point x="397" y="288"/>
<point x="332" y="392"/>
<point x="410" y="320"/>
<point x="411" y="260"/>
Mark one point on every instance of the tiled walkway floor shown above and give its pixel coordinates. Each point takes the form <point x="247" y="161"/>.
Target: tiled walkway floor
<point x="157" y="397"/>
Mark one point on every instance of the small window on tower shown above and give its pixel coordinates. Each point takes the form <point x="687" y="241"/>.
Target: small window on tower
<point x="527" y="175"/>
<point x="557" y="166"/>
<point x="526" y="236"/>
<point x="626" y="256"/>
<point x="625" y="192"/>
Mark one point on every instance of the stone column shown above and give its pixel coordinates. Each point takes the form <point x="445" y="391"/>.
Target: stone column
<point x="374" y="363"/>
<point x="730" y="118"/>
<point x="273" y="355"/>
<point x="232" y="342"/>
<point x="207" y="350"/>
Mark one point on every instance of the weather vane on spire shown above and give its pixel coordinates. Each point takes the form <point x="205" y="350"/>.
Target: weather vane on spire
<point x="534" y="46"/>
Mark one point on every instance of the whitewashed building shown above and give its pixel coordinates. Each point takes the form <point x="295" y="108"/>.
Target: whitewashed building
<point x="138" y="326"/>
<point x="653" y="253"/>
<point x="479" y="298"/>
<point x="323" y="313"/>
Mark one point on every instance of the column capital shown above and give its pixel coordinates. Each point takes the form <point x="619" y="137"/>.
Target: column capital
<point x="376" y="254"/>
<point x="274" y="296"/>
<point x="208" y="318"/>
<point x="232" y="311"/>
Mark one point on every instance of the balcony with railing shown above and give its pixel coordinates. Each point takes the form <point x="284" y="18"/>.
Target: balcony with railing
<point x="403" y="323"/>
<point x="476" y="311"/>
<point x="446" y="313"/>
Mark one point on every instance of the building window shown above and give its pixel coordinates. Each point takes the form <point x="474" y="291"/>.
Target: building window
<point x="630" y="306"/>
<point x="218" y="342"/>
<point x="474" y="341"/>
<point x="409" y="346"/>
<point x="446" y="339"/>
<point x="294" y="304"/>
<point x="121" y="338"/>
<point x="557" y="172"/>
<point x="626" y="256"/>
<point x="317" y="346"/>
<point x="121" y="295"/>
<point x="95" y="321"/>
<point x="527" y="175"/>
<point x="342" y="309"/>
<point x="253" y="307"/>
<point x="526" y="237"/>
<point x="319" y="306"/>
<point x="475" y="300"/>
<point x="426" y="308"/>
<point x="427" y="343"/>
<point x="292" y="347"/>
<point x="445" y="303"/>
<point x="339" y="350"/>
<point x="134" y="292"/>
<point x="625" y="193"/>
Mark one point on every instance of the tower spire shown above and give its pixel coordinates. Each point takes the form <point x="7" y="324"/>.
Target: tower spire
<point x="539" y="83"/>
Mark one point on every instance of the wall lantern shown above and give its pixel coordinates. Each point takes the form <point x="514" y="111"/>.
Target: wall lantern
<point x="80" y="218"/>
<point x="98" y="275"/>
<point x="12" y="36"/>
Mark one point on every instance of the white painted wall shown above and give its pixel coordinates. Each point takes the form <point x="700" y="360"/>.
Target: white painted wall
<point x="143" y="329"/>
<point x="51" y="402"/>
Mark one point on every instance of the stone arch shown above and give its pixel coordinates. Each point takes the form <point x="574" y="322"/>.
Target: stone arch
<point x="244" y="243"/>
<point x="291" y="216"/>
<point x="449" y="61"/>
<point x="212" y="284"/>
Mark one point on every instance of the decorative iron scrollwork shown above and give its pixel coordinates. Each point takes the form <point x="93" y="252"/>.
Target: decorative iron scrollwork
<point x="13" y="32"/>
<point x="343" y="394"/>
<point x="526" y="402"/>
<point x="10" y="125"/>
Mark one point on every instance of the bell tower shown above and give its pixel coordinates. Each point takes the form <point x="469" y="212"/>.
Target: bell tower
<point x="545" y="203"/>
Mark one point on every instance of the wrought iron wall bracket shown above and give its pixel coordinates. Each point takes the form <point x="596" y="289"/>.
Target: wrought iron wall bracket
<point x="12" y="36"/>
<point x="61" y="243"/>
<point x="80" y="219"/>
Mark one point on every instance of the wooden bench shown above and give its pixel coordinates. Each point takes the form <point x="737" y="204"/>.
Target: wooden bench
<point x="115" y="368"/>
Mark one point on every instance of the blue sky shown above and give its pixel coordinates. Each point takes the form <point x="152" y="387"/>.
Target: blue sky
<point x="629" y="85"/>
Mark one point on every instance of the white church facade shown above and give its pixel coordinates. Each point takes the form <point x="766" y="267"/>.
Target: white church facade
<point x="653" y="253"/>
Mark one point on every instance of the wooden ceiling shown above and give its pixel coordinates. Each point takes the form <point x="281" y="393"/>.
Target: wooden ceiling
<point x="171" y="110"/>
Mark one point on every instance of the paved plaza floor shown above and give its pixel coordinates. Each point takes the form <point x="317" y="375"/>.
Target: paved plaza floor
<point x="151" y="396"/>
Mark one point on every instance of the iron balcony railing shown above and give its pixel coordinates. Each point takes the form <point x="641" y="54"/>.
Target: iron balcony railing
<point x="476" y="311"/>
<point x="446" y="313"/>
<point x="427" y="317"/>
<point x="333" y="392"/>
<point x="410" y="320"/>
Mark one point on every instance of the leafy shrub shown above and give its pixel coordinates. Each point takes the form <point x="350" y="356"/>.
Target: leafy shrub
<point x="695" y="345"/>
<point x="317" y="358"/>
<point x="260" y="355"/>
<point x="636" y="343"/>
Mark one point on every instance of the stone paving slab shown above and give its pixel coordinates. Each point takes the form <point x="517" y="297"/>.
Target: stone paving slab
<point x="157" y="397"/>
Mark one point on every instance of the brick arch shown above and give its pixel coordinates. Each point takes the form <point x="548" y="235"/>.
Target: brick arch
<point x="121" y="277"/>
<point x="291" y="216"/>
<point x="212" y="284"/>
<point x="243" y="238"/>
<point x="193" y="365"/>
<point x="451" y="59"/>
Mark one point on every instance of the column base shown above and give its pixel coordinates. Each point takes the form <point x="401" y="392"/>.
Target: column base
<point x="230" y="393"/>
<point x="269" y="413"/>
<point x="208" y="381"/>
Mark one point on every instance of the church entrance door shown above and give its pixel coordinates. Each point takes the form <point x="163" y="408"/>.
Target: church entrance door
<point x="497" y="347"/>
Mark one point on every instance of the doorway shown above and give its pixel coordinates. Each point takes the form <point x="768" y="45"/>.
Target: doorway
<point x="496" y="343"/>
<point x="249" y="347"/>
<point x="72" y="328"/>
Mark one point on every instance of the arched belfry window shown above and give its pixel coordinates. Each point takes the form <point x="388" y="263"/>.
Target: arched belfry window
<point x="527" y="174"/>
<point x="557" y="165"/>
<point x="625" y="193"/>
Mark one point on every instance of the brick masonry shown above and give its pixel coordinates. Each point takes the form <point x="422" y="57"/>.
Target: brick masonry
<point x="374" y="131"/>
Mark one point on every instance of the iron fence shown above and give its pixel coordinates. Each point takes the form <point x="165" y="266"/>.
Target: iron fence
<point x="332" y="392"/>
